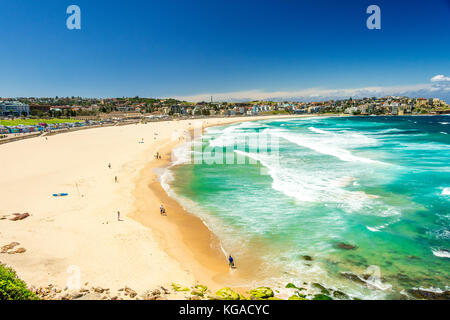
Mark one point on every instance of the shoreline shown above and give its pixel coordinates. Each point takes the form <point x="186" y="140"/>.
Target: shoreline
<point x="194" y="246"/>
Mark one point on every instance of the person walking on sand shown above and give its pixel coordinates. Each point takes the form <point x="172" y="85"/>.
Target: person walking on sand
<point x="115" y="179"/>
<point x="162" y="210"/>
<point x="231" y="261"/>
<point x="109" y="165"/>
<point x="118" y="216"/>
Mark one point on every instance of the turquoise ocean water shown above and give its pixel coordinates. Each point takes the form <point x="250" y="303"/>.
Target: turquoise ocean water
<point x="380" y="184"/>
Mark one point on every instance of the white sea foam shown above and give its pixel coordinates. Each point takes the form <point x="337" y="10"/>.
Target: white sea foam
<point x="319" y="187"/>
<point x="444" y="122"/>
<point x="323" y="146"/>
<point x="383" y="226"/>
<point x="446" y="191"/>
<point x="182" y="154"/>
<point x="391" y="130"/>
<point x="318" y="130"/>
<point x="441" y="253"/>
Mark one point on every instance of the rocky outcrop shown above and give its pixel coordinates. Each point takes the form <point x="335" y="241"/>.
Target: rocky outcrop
<point x="152" y="295"/>
<point x="19" y="216"/>
<point x="352" y="277"/>
<point x="345" y="246"/>
<point x="293" y="286"/>
<point x="321" y="297"/>
<point x="178" y="287"/>
<point x="340" y="295"/>
<point x="130" y="292"/>
<point x="9" y="248"/>
<point x="261" y="293"/>
<point x="199" y="290"/>
<point x="429" y="295"/>
<point x="321" y="288"/>
<point x="228" y="294"/>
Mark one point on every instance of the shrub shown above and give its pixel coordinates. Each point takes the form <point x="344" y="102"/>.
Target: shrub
<point x="12" y="288"/>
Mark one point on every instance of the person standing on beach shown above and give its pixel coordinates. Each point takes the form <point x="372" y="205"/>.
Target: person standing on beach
<point x="109" y="165"/>
<point x="162" y="210"/>
<point x="231" y="261"/>
<point x="118" y="216"/>
<point x="115" y="179"/>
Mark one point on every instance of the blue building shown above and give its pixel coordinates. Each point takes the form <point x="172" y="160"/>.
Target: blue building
<point x="13" y="108"/>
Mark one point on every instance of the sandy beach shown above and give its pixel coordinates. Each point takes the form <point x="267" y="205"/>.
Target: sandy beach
<point x="143" y="251"/>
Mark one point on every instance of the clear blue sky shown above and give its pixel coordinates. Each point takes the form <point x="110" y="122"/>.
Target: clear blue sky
<point x="181" y="48"/>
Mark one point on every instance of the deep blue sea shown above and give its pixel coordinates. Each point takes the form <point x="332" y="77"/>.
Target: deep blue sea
<point x="359" y="195"/>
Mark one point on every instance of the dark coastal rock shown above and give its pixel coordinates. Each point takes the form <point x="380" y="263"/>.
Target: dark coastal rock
<point x="19" y="250"/>
<point x="345" y="246"/>
<point x="90" y="296"/>
<point x="20" y="216"/>
<point x="293" y="286"/>
<point x="8" y="247"/>
<point x="165" y="290"/>
<point x="340" y="295"/>
<point x="74" y="295"/>
<point x="352" y="277"/>
<point x="130" y="292"/>
<point x="156" y="292"/>
<point x="321" y="288"/>
<point x="429" y="295"/>
<point x="307" y="258"/>
<point x="98" y="290"/>
<point x="402" y="278"/>
<point x="149" y="296"/>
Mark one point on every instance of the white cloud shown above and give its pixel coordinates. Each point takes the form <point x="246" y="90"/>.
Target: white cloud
<point x="440" y="78"/>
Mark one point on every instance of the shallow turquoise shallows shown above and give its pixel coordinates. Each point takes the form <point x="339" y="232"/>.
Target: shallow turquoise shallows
<point x="359" y="195"/>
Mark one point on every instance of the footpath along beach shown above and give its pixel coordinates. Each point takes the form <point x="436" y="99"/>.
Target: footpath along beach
<point x="80" y="236"/>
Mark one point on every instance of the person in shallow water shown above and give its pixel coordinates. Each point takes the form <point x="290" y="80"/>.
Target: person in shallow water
<point x="231" y="261"/>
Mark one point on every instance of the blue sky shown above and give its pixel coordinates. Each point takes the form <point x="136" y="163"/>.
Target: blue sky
<point x="229" y="49"/>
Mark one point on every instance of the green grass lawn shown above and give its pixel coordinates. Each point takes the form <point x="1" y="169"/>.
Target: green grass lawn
<point x="32" y="122"/>
<point x="274" y="112"/>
